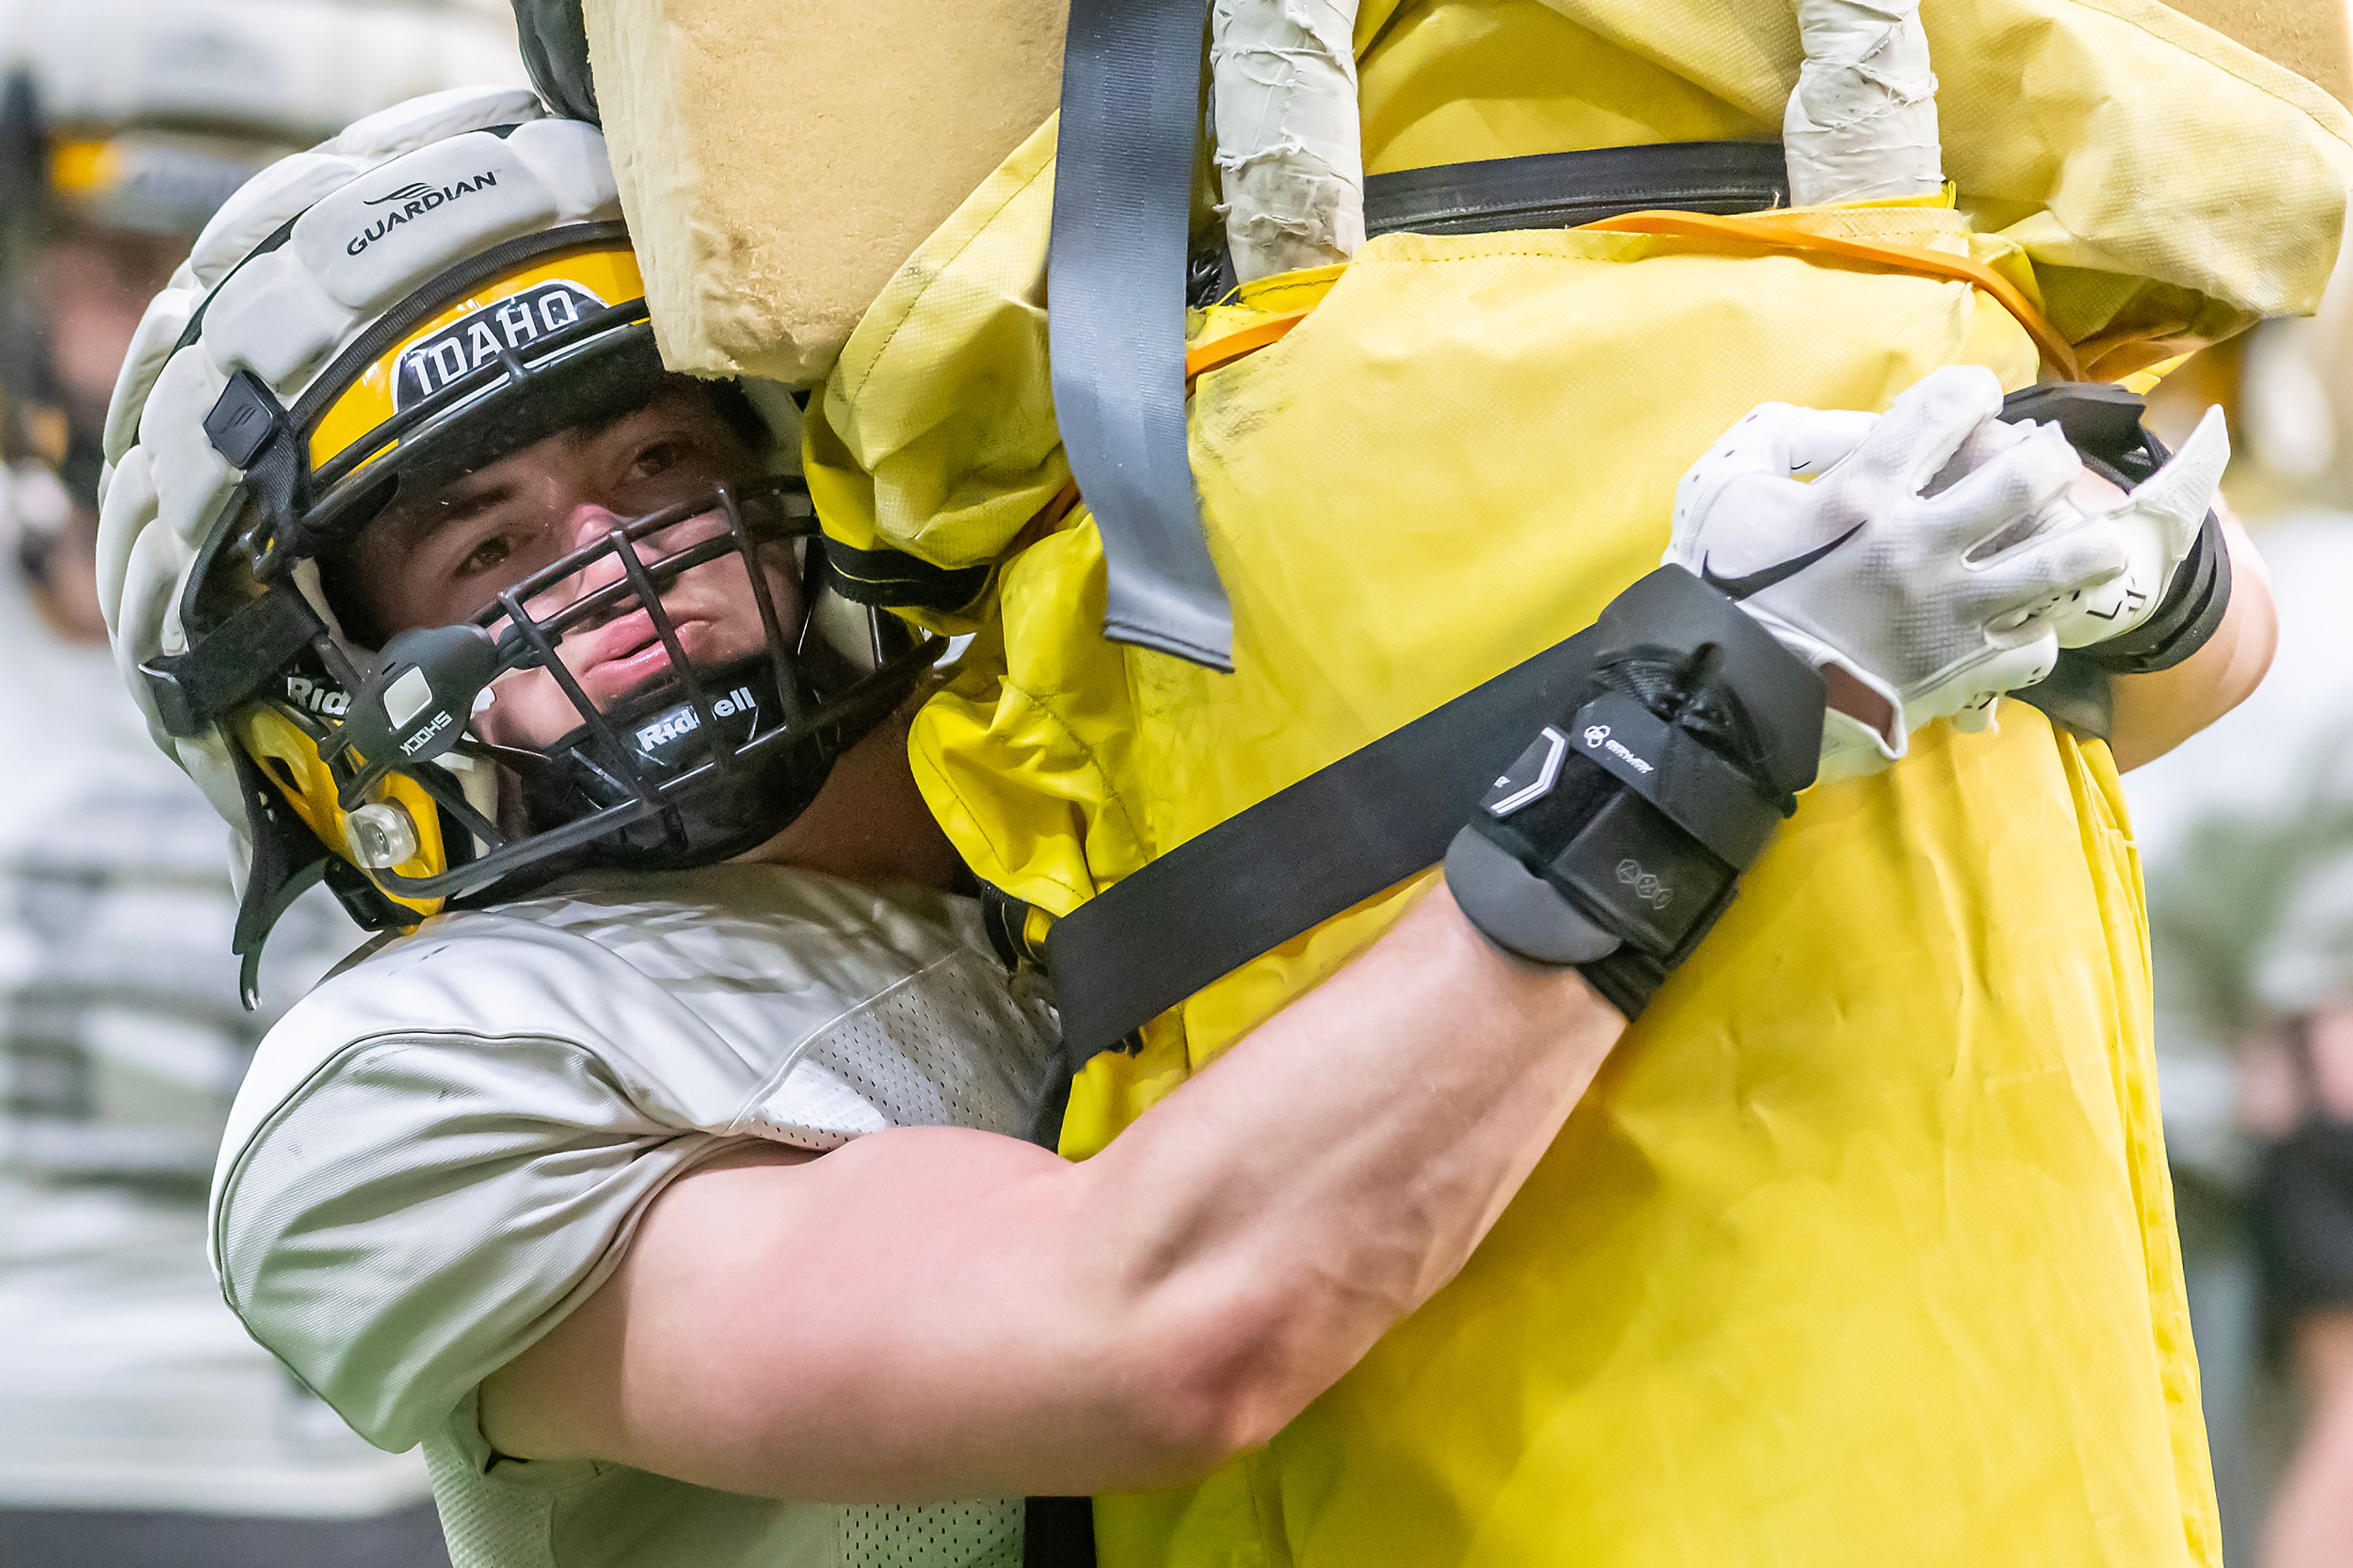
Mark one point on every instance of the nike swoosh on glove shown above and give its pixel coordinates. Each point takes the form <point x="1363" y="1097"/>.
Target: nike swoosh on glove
<point x="1827" y="527"/>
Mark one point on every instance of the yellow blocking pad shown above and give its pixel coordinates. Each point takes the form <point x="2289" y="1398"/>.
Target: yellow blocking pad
<point x="1861" y="1249"/>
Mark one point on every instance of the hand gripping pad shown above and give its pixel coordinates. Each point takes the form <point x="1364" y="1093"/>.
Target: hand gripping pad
<point x="1619" y="835"/>
<point x="2103" y="423"/>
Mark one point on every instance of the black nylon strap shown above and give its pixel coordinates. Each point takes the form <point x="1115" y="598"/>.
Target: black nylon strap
<point x="1058" y="1532"/>
<point x="1115" y="280"/>
<point x="1361" y="823"/>
<point x="1560" y="190"/>
<point x="240" y="657"/>
<point x="1338" y="836"/>
<point x="1694" y="788"/>
<point x="892" y="579"/>
<point x="2100" y="421"/>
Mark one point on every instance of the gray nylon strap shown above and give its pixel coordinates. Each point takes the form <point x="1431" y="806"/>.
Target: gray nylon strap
<point x="1115" y="316"/>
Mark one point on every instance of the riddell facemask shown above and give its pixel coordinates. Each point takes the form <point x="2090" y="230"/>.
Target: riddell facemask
<point x="647" y="688"/>
<point x="500" y="599"/>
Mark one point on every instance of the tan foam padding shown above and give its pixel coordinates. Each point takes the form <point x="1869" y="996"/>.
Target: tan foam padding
<point x="2311" y="37"/>
<point x="778" y="159"/>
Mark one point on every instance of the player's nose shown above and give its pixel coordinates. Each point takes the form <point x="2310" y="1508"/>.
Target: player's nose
<point x="590" y="523"/>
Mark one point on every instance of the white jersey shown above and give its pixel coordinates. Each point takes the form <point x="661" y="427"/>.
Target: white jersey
<point x="444" y="1148"/>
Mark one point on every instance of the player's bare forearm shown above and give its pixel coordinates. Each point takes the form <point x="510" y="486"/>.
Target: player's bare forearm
<point x="936" y="1313"/>
<point x="2155" y="712"/>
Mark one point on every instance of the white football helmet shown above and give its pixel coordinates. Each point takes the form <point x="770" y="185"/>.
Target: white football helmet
<point x="337" y="583"/>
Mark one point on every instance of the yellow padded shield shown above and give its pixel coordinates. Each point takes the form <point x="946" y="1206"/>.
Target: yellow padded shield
<point x="1861" y="1249"/>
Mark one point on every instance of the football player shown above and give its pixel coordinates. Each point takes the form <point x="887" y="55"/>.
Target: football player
<point x="672" y="1177"/>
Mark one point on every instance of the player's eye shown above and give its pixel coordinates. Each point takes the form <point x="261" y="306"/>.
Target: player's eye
<point x="658" y="457"/>
<point x="489" y="554"/>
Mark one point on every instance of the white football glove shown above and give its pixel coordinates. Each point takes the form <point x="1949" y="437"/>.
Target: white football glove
<point x="1937" y="600"/>
<point x="2157" y="522"/>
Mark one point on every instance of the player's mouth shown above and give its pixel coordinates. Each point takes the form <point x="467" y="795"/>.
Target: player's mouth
<point x="625" y="655"/>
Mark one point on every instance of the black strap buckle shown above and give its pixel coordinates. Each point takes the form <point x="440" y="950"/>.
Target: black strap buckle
<point x="254" y="432"/>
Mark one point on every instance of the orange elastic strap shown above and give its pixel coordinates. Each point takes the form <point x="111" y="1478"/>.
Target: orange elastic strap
<point x="1771" y="235"/>
<point x="1904" y="258"/>
<point x="1200" y="361"/>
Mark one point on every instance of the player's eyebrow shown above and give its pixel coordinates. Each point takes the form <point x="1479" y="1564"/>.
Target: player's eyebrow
<point x="446" y="509"/>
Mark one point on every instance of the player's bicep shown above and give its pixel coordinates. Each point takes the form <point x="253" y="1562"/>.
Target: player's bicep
<point x="911" y="1317"/>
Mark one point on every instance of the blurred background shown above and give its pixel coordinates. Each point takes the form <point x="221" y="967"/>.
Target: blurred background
<point x="139" y="1426"/>
<point x="2246" y="844"/>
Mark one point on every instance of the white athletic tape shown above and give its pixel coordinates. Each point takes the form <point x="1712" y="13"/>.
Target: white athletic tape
<point x="1289" y="152"/>
<point x="1862" y="123"/>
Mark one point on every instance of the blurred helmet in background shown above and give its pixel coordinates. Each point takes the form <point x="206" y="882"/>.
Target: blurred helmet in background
<point x="124" y="124"/>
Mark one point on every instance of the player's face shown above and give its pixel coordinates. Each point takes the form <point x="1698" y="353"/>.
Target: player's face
<point x="447" y="558"/>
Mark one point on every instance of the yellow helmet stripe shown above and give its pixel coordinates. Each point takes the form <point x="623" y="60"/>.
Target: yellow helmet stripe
<point x="511" y="312"/>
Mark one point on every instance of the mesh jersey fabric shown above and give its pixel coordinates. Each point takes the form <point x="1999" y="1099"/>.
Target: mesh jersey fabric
<point x="444" y="1150"/>
<point x="569" y="1514"/>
